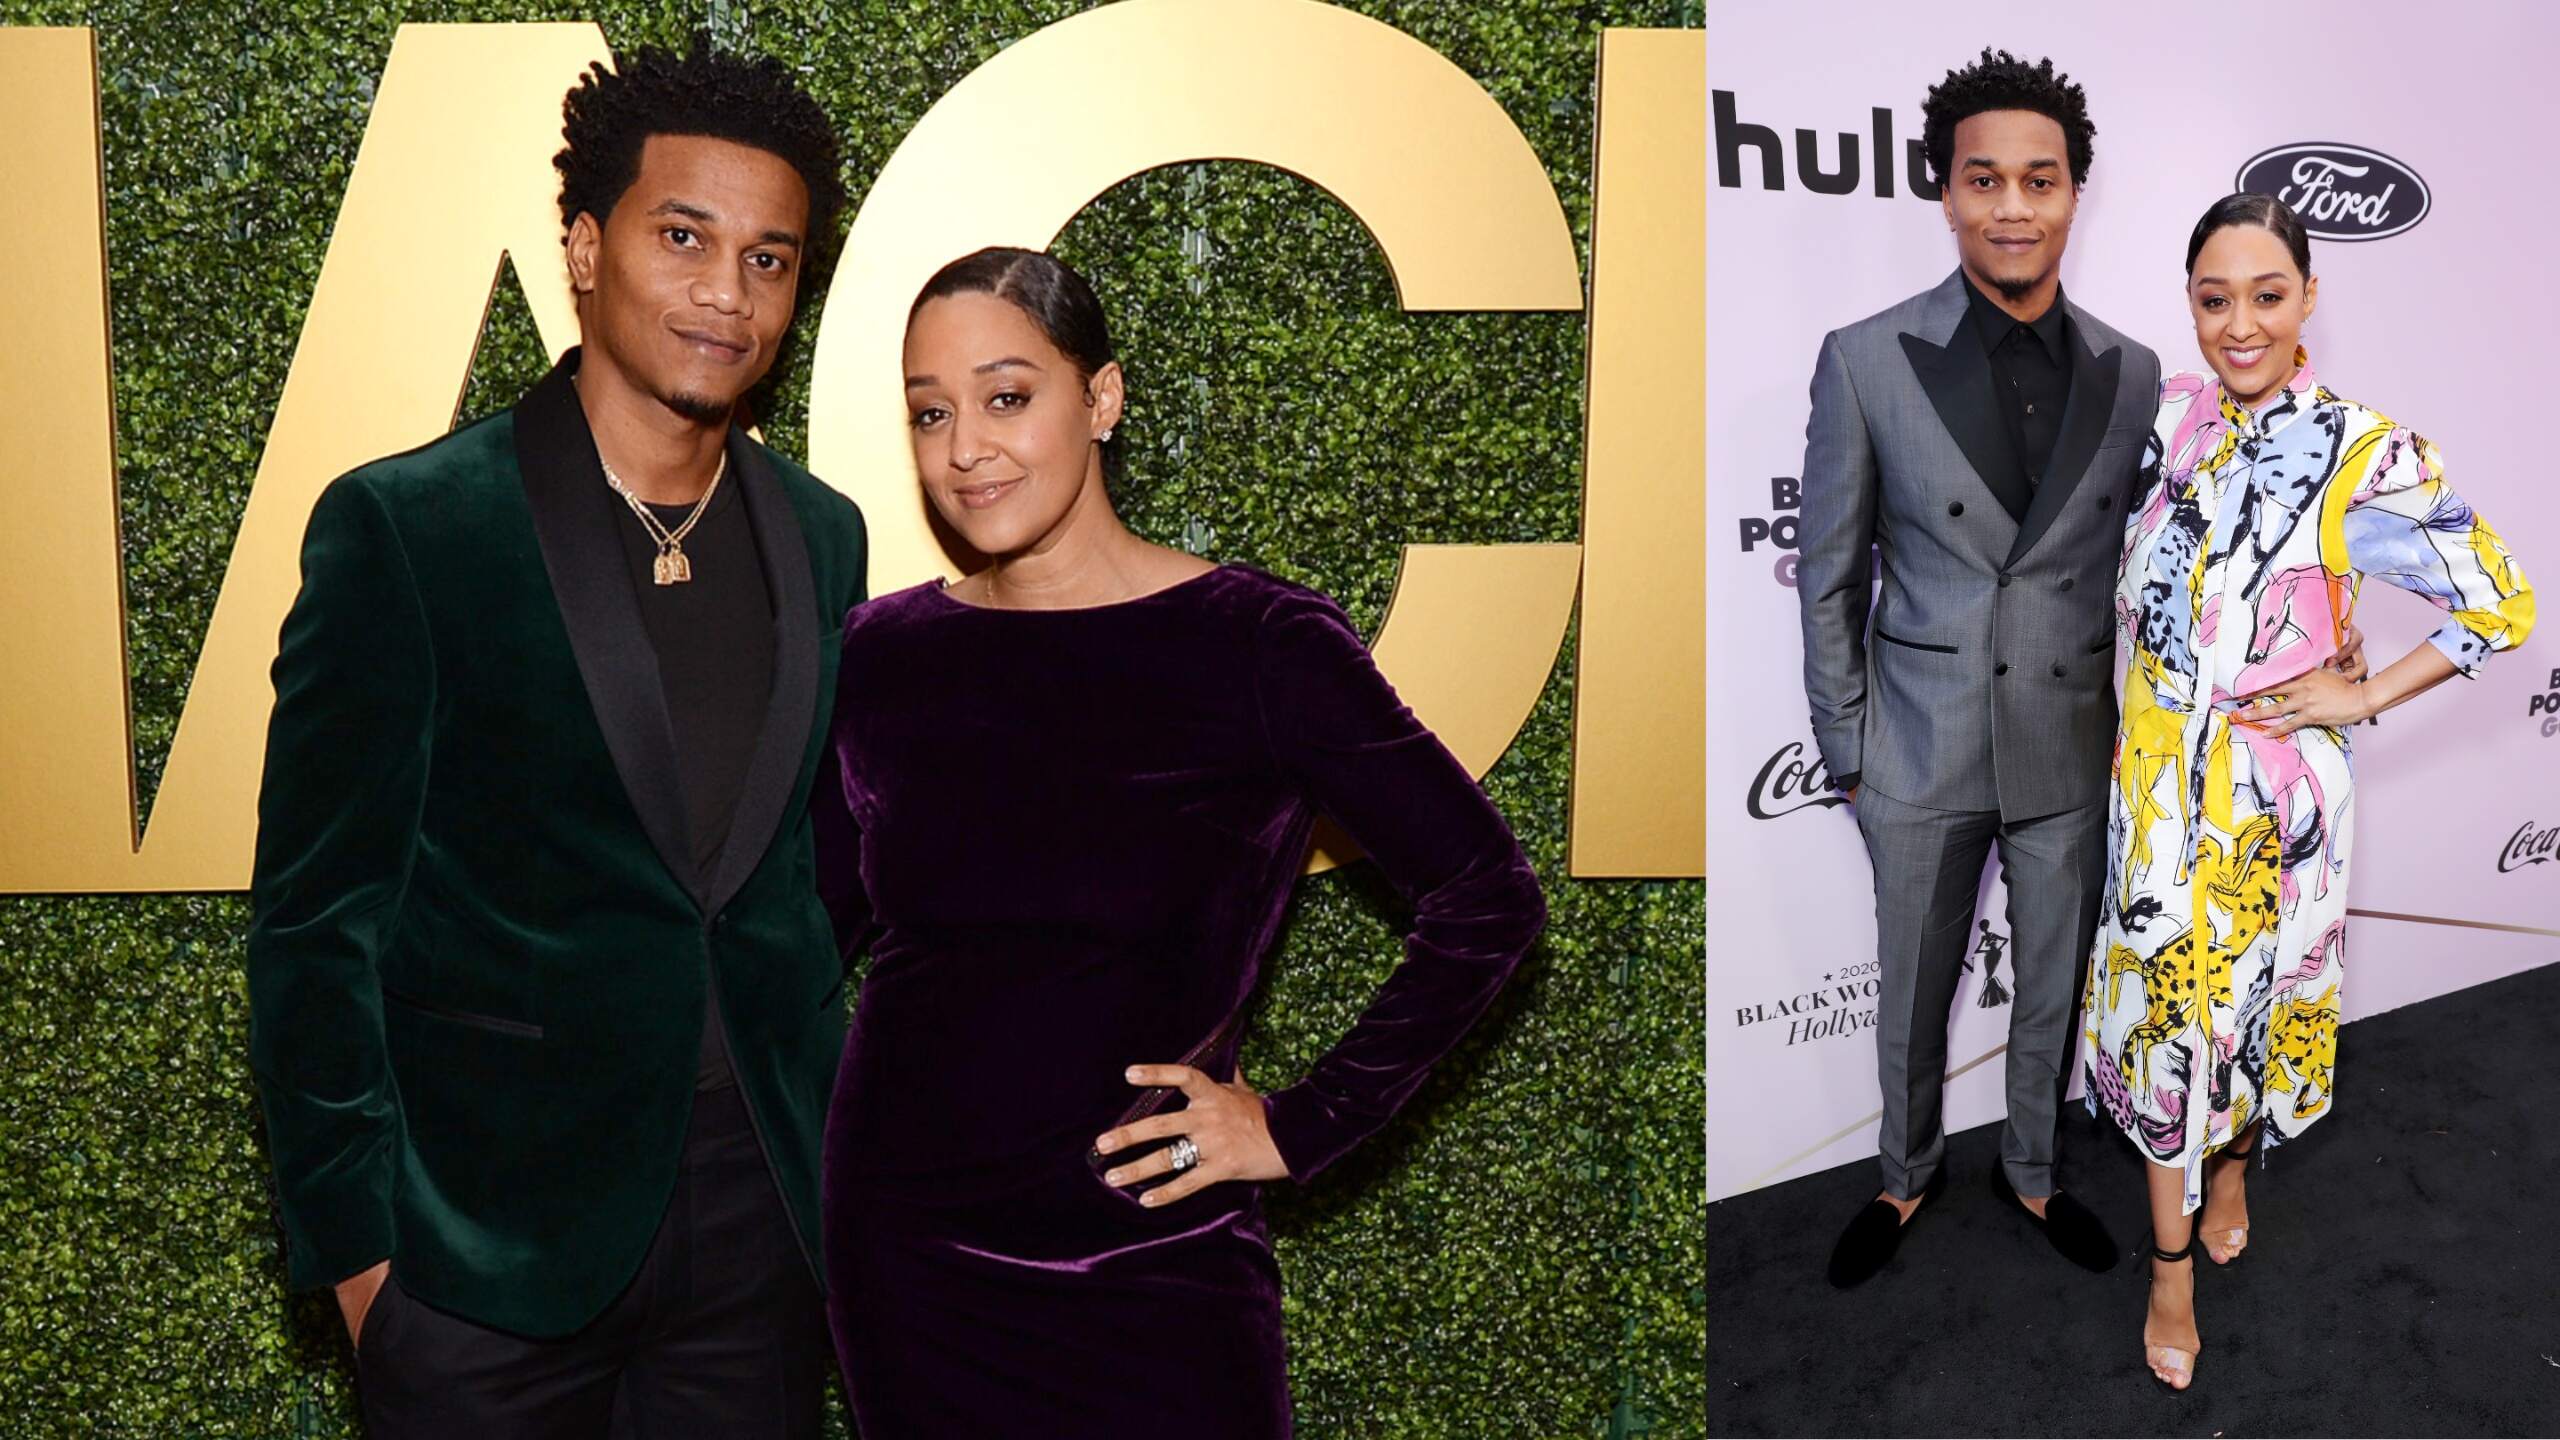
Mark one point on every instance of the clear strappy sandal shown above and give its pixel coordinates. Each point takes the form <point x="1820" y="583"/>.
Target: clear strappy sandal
<point x="2165" y="1361"/>
<point x="2235" y="1238"/>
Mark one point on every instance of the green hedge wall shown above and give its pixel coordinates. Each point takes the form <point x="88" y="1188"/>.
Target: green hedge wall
<point x="1520" y="1256"/>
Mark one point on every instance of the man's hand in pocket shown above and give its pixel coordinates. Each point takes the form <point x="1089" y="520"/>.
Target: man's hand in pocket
<point x="356" y="1295"/>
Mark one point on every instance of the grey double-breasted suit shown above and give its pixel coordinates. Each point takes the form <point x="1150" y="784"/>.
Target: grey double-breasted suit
<point x="1971" y="693"/>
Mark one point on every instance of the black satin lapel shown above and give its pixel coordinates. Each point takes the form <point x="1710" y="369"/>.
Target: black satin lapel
<point x="774" y="770"/>
<point x="1957" y="377"/>
<point x="574" y="514"/>
<point x="2084" y="424"/>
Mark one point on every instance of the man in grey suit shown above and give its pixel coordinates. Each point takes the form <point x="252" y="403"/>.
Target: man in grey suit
<point x="1983" y="437"/>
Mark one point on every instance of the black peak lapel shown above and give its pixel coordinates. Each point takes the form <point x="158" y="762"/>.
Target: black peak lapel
<point x="774" y="771"/>
<point x="574" y="515"/>
<point x="2084" y="425"/>
<point x="1957" y="379"/>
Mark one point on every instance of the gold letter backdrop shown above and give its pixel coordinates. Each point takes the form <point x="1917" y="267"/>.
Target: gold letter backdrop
<point x="452" y="176"/>
<point x="1347" y="262"/>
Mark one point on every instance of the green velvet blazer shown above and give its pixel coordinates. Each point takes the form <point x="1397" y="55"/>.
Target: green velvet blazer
<point x="476" y="969"/>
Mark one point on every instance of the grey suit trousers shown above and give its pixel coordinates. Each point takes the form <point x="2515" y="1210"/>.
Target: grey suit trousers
<point x="1928" y="869"/>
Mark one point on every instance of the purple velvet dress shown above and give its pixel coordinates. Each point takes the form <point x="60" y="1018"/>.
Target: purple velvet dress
<point x="1076" y="831"/>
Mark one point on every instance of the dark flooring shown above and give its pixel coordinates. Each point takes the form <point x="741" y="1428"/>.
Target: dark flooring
<point x="2403" y="1275"/>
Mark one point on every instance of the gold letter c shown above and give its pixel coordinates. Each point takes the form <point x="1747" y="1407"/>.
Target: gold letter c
<point x="1405" y="140"/>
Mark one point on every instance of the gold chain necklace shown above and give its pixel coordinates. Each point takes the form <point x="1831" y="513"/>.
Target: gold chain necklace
<point x="671" y="567"/>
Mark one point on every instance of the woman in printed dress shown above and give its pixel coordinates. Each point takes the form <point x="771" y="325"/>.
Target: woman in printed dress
<point x="2212" y="1016"/>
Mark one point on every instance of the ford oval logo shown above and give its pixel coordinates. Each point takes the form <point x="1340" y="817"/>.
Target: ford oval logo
<point x="2342" y="192"/>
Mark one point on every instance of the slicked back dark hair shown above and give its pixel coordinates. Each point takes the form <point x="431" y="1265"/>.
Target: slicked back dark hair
<point x="1055" y="297"/>
<point x="2264" y="211"/>
<point x="753" y="100"/>
<point x="2002" y="81"/>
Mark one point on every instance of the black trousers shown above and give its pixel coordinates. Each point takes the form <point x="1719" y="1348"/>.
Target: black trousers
<point x="720" y="1333"/>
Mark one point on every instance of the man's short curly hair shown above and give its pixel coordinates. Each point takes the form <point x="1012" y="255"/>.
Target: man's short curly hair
<point x="609" y="116"/>
<point x="2002" y="81"/>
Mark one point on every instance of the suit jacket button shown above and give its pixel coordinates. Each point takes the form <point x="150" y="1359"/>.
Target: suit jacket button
<point x="1955" y="507"/>
<point x="2058" y="671"/>
<point x="2000" y="669"/>
<point x="2066" y="582"/>
<point x="2004" y="582"/>
<point x="2106" y="502"/>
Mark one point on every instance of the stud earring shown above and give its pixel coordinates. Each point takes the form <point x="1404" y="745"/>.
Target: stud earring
<point x="1103" y="438"/>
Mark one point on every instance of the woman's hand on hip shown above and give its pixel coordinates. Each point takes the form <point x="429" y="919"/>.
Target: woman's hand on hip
<point x="2315" y="697"/>
<point x="1224" y="1121"/>
<point x="2349" y="661"/>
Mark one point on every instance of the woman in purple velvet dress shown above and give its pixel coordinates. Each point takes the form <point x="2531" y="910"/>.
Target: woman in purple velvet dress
<point x="1078" y="787"/>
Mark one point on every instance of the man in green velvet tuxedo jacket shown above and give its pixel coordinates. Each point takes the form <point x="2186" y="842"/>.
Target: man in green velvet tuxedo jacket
<point x="545" y="1006"/>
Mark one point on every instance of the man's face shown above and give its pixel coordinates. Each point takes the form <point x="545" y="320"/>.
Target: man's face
<point x="686" y="290"/>
<point x="2010" y="199"/>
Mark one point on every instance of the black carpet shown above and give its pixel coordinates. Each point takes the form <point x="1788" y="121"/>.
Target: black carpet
<point x="2402" y="1277"/>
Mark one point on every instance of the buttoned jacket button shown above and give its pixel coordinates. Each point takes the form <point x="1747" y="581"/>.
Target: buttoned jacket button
<point x="2066" y="582"/>
<point x="1955" y="507"/>
<point x="2000" y="669"/>
<point x="2058" y="670"/>
<point x="2004" y="582"/>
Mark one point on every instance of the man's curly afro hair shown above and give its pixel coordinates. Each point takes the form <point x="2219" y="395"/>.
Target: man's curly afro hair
<point x="2002" y="81"/>
<point x="753" y="100"/>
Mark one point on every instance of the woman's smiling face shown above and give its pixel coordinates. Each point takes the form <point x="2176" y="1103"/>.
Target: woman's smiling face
<point x="2249" y="302"/>
<point x="1004" y="427"/>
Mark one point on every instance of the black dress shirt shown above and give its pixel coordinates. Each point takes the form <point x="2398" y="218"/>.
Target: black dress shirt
<point x="2030" y="375"/>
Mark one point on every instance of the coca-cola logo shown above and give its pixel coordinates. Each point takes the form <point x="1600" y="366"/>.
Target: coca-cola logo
<point x="1790" y="782"/>
<point x="2342" y="192"/>
<point x="2532" y="844"/>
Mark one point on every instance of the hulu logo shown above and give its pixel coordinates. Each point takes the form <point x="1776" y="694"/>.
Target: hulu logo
<point x="1734" y="133"/>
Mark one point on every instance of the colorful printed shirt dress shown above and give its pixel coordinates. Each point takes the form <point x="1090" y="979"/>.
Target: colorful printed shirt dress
<point x="2214" y="988"/>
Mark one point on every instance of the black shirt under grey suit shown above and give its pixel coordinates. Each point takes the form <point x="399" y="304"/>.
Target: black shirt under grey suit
<point x="2030" y="380"/>
<point x="1970" y="696"/>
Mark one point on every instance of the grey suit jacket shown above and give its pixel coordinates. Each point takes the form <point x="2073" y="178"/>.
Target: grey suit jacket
<point x="1979" y="677"/>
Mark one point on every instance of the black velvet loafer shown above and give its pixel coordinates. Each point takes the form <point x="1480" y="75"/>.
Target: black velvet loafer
<point x="1873" y="1235"/>
<point x="2069" y="1226"/>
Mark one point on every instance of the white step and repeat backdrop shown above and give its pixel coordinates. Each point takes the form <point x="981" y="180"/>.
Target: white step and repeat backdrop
<point x="2442" y="316"/>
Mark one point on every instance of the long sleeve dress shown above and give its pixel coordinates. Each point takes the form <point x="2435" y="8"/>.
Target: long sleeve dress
<point x="2214" y="993"/>
<point x="1077" y="831"/>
